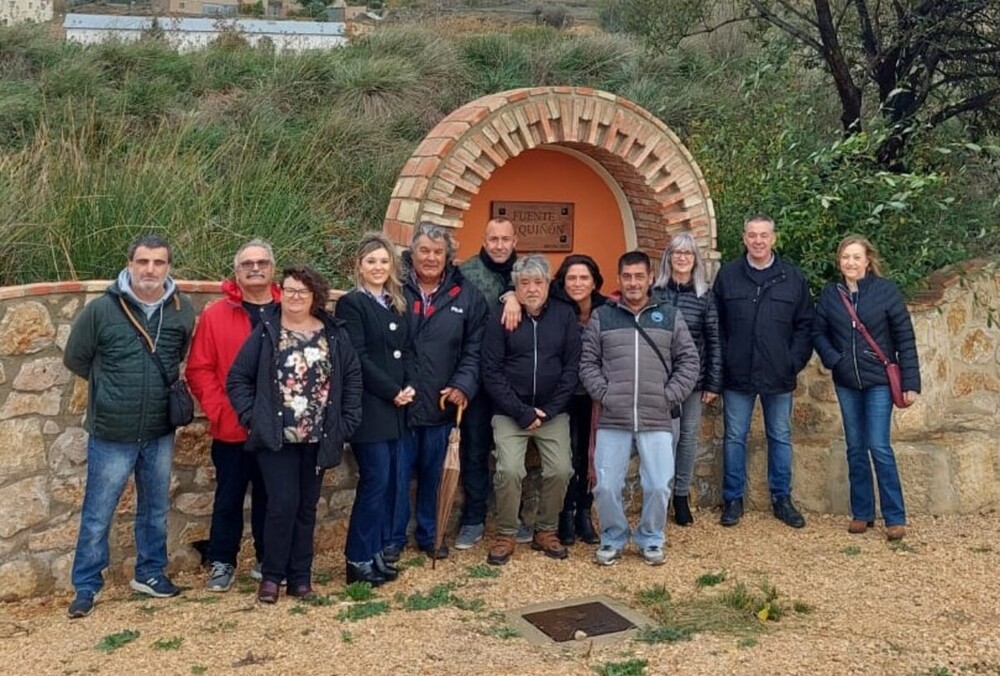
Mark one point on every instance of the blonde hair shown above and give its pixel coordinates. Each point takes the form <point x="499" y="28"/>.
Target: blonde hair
<point x="874" y="262"/>
<point x="373" y="241"/>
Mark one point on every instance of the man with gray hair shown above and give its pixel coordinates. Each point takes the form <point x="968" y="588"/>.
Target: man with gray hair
<point x="221" y="331"/>
<point x="530" y="374"/>
<point x="447" y="316"/>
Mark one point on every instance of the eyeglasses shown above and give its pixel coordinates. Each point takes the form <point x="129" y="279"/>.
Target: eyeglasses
<point x="682" y="254"/>
<point x="296" y="293"/>
<point x="250" y="265"/>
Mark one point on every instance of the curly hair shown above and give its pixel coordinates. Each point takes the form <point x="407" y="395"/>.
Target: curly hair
<point x="313" y="281"/>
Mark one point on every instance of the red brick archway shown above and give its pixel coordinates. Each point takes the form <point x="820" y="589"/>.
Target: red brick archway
<point x="663" y="187"/>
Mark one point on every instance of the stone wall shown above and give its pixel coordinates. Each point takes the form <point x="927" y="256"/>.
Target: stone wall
<point x="947" y="444"/>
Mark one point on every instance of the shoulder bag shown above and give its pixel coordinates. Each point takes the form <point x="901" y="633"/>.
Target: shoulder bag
<point x="181" y="404"/>
<point x="892" y="370"/>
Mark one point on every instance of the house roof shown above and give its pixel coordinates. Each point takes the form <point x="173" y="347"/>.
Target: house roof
<point x="203" y="25"/>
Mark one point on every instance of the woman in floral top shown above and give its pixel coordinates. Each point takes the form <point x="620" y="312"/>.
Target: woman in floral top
<point x="296" y="386"/>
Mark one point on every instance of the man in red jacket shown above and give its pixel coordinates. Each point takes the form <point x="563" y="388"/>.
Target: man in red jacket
<point x="218" y="337"/>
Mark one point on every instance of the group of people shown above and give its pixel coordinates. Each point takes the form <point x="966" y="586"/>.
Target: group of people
<point x="521" y="353"/>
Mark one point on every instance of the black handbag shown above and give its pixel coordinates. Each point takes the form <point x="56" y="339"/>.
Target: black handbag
<point x="180" y="409"/>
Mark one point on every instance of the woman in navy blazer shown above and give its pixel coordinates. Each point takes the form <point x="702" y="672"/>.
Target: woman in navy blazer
<point x="374" y="314"/>
<point x="860" y="378"/>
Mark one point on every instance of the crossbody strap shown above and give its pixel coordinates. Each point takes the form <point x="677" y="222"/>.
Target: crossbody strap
<point x="861" y="328"/>
<point x="147" y="341"/>
<point x="642" y="332"/>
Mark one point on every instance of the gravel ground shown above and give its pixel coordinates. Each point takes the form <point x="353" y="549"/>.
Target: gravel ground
<point x="853" y="605"/>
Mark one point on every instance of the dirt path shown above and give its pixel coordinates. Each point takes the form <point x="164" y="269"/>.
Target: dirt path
<point x="848" y="604"/>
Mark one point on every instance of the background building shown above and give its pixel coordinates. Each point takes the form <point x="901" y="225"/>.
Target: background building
<point x="21" y="11"/>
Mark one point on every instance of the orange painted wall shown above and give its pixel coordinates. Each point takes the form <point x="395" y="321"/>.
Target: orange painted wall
<point x="551" y="176"/>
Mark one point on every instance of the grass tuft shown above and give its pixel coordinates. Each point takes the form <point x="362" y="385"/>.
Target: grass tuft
<point x="359" y="591"/>
<point x="663" y="635"/>
<point x="711" y="579"/>
<point x="851" y="550"/>
<point x="479" y="571"/>
<point x="362" y="611"/>
<point x="168" y="643"/>
<point x="115" y="641"/>
<point x="632" y="667"/>
<point x="439" y="596"/>
<point x="654" y="595"/>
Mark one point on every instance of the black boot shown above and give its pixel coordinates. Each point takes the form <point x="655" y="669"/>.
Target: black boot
<point x="585" y="528"/>
<point x="785" y="511"/>
<point x="682" y="513"/>
<point x="364" y="572"/>
<point x="389" y="572"/>
<point x="566" y="534"/>
<point x="732" y="512"/>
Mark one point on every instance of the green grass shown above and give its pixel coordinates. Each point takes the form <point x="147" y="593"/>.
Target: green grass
<point x="413" y="562"/>
<point x="711" y="579"/>
<point x="362" y="611"/>
<point x="440" y="595"/>
<point x="802" y="608"/>
<point x="323" y="577"/>
<point x="654" y="595"/>
<point x="297" y="610"/>
<point x="113" y="642"/>
<point x="902" y="547"/>
<point x="748" y="642"/>
<point x="359" y="591"/>
<point x="198" y="669"/>
<point x="168" y="643"/>
<point x="632" y="667"/>
<point x="981" y="549"/>
<point x="504" y="631"/>
<point x="650" y="634"/>
<point x="346" y="636"/>
<point x="481" y="571"/>
<point x="851" y="550"/>
<point x="319" y="600"/>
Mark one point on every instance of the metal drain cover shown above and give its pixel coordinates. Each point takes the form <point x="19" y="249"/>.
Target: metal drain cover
<point x="594" y="619"/>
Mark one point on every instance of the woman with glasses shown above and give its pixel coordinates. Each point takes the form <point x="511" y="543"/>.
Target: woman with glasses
<point x="860" y="379"/>
<point x="682" y="282"/>
<point x="296" y="386"/>
<point x="374" y="313"/>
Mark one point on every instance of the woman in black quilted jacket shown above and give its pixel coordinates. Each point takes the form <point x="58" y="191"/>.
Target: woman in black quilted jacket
<point x="682" y="282"/>
<point x="860" y="378"/>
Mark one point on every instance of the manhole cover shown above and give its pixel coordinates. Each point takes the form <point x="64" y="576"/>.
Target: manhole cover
<point x="594" y="619"/>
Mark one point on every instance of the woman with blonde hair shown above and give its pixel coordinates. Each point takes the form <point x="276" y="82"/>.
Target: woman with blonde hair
<point x="682" y="282"/>
<point x="374" y="315"/>
<point x="860" y="379"/>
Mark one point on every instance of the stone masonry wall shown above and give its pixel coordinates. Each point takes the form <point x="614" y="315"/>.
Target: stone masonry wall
<point x="948" y="445"/>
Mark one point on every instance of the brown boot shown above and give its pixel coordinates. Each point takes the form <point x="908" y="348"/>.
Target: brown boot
<point x="501" y="550"/>
<point x="857" y="526"/>
<point x="546" y="541"/>
<point x="893" y="533"/>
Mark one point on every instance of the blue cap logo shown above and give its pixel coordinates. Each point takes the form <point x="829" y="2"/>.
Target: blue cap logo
<point x="657" y="316"/>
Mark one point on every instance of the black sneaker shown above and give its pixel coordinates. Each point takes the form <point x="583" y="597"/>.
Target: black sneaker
<point x="392" y="553"/>
<point x="785" y="511"/>
<point x="732" y="512"/>
<point x="429" y="551"/>
<point x="82" y="605"/>
<point x="159" y="586"/>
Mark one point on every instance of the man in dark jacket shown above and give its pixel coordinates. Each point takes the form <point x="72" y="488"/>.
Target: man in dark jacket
<point x="530" y="374"/>
<point x="447" y="316"/>
<point x="490" y="272"/>
<point x="222" y="328"/>
<point x="765" y="319"/>
<point x="639" y="362"/>
<point x="142" y="317"/>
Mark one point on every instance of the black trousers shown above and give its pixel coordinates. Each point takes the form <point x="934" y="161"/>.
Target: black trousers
<point x="474" y="453"/>
<point x="293" y="486"/>
<point x="578" y="497"/>
<point x="235" y="469"/>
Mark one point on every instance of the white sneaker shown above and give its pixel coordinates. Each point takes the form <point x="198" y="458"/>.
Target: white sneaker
<point x="469" y="535"/>
<point x="607" y="555"/>
<point x="654" y="555"/>
<point x="221" y="578"/>
<point x="255" y="572"/>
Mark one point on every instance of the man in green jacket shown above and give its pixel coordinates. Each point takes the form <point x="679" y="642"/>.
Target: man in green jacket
<point x="141" y="317"/>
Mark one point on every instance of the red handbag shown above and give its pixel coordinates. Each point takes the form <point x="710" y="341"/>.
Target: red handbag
<point x="892" y="370"/>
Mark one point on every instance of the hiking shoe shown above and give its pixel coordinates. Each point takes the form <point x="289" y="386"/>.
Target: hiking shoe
<point x="429" y="551"/>
<point x="221" y="578"/>
<point x="732" y="512"/>
<point x="653" y="555"/>
<point x="159" y="586"/>
<point x="895" y="533"/>
<point x="501" y="550"/>
<point x="256" y="573"/>
<point x="785" y="512"/>
<point x="524" y="533"/>
<point x="859" y="526"/>
<point x="392" y="553"/>
<point x="548" y="542"/>
<point x="82" y="605"/>
<point x="607" y="555"/>
<point x="469" y="535"/>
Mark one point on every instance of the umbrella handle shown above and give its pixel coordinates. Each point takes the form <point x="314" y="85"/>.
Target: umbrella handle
<point x="458" y="416"/>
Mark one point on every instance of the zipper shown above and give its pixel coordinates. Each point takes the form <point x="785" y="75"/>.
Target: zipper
<point x="854" y="343"/>
<point x="534" y="366"/>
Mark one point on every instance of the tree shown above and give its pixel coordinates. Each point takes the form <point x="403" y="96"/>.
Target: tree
<point x="924" y="61"/>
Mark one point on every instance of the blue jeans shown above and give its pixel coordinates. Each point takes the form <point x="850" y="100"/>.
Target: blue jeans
<point x="109" y="465"/>
<point x="422" y="454"/>
<point x="235" y="469"/>
<point x="737" y="411"/>
<point x="656" y="468"/>
<point x="867" y="416"/>
<point x="687" y="433"/>
<point x="372" y="499"/>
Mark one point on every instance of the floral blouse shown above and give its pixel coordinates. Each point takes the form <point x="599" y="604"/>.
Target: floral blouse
<point x="304" y="371"/>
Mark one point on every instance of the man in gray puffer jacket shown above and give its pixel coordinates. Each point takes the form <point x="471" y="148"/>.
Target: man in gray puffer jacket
<point x="638" y="362"/>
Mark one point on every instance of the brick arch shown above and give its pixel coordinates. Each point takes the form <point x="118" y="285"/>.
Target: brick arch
<point x="663" y="186"/>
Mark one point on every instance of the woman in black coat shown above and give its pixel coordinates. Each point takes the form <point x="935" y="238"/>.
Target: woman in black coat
<point x="296" y="387"/>
<point x="374" y="313"/>
<point x="682" y="283"/>
<point x="860" y="378"/>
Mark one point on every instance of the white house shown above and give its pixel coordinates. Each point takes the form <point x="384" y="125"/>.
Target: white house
<point x="188" y="34"/>
<point x="21" y="11"/>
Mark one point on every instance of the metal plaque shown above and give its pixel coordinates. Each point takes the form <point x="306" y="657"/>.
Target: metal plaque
<point x="594" y="619"/>
<point x="539" y="226"/>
